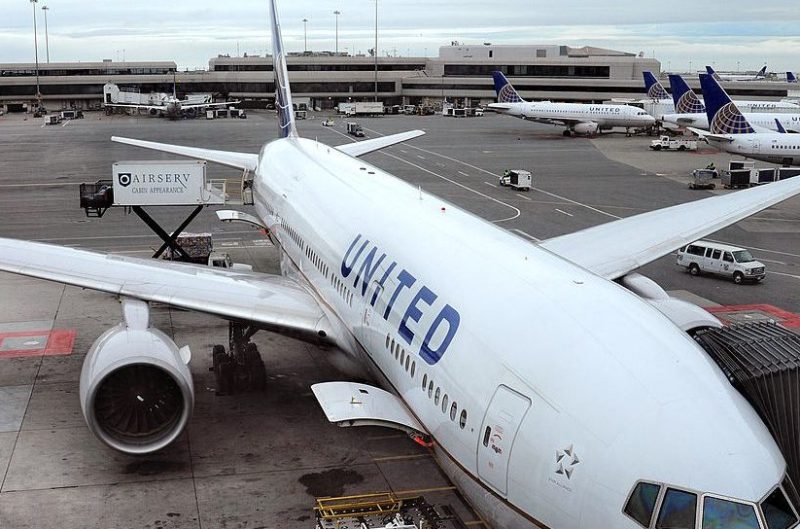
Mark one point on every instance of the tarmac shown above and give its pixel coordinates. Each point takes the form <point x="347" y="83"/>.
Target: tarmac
<point x="259" y="459"/>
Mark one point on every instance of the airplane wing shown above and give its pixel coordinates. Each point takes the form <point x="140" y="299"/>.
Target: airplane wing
<point x="276" y="303"/>
<point x="704" y="134"/>
<point x="614" y="249"/>
<point x="240" y="160"/>
<point x="207" y="105"/>
<point x="363" y="147"/>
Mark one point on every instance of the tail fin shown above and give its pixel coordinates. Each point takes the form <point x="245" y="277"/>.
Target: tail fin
<point x="713" y="74"/>
<point x="762" y="73"/>
<point x="723" y="115"/>
<point x="653" y="86"/>
<point x="283" y="94"/>
<point x="790" y="77"/>
<point x="686" y="101"/>
<point x="505" y="92"/>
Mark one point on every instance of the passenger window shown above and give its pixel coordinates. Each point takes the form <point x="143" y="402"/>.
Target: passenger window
<point x="462" y="421"/>
<point x="718" y="514"/>
<point x="413" y="368"/>
<point x="708" y="252"/>
<point x="716" y="254"/>
<point x="677" y="510"/>
<point x="642" y="502"/>
<point x="777" y="511"/>
<point x="454" y="410"/>
<point x="727" y="257"/>
<point x="437" y="395"/>
<point x="445" y="400"/>
<point x="430" y="388"/>
<point x="424" y="381"/>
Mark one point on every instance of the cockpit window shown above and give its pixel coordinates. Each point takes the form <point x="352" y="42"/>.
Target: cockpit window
<point x="642" y="502"/>
<point x="678" y="510"/>
<point x="777" y="512"/>
<point x="724" y="514"/>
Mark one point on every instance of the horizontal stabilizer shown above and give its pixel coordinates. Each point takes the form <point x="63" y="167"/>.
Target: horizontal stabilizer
<point x="239" y="160"/>
<point x="353" y="404"/>
<point x="704" y="134"/>
<point x="367" y="146"/>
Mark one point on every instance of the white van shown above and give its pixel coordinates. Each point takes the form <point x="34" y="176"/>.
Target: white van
<point x="721" y="259"/>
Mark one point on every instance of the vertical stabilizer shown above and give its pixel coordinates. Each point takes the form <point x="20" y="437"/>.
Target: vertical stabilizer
<point x="283" y="94"/>
<point x="686" y="100"/>
<point x="762" y="73"/>
<point x="790" y="77"/>
<point x="653" y="87"/>
<point x="713" y="74"/>
<point x="505" y="92"/>
<point x="723" y="115"/>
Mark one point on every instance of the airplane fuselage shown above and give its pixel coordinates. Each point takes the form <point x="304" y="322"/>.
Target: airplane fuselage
<point x="605" y="116"/>
<point x="765" y="120"/>
<point x="776" y="148"/>
<point x="460" y="319"/>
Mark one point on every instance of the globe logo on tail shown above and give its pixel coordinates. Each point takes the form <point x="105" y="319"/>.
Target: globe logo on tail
<point x="689" y="103"/>
<point x="507" y="94"/>
<point x="657" y="92"/>
<point x="728" y="120"/>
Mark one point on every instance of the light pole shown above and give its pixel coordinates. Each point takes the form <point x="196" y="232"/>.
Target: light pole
<point x="337" y="13"/>
<point x="36" y="50"/>
<point x="46" y="36"/>
<point x="305" y="35"/>
<point x="375" y="54"/>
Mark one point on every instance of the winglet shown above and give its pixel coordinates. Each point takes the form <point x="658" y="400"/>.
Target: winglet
<point x="723" y="115"/>
<point x="505" y="92"/>
<point x="686" y="101"/>
<point x="653" y="87"/>
<point x="283" y="94"/>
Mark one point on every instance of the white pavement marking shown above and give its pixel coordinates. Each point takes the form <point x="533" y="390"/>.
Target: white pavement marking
<point x="65" y="123"/>
<point x="770" y="272"/>
<point x="528" y="235"/>
<point x="773" y="261"/>
<point x="42" y="185"/>
<point x="462" y="173"/>
<point x="529" y="199"/>
<point x="565" y="213"/>
<point x="420" y="157"/>
<point x="490" y="184"/>
<point x="518" y="212"/>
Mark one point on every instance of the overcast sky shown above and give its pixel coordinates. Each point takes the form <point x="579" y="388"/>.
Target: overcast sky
<point x="676" y="32"/>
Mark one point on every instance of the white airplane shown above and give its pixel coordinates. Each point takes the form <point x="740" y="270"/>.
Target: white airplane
<point x="759" y="76"/>
<point x="691" y="112"/>
<point x="579" y="118"/>
<point x="165" y="105"/>
<point x="732" y="132"/>
<point x="556" y="386"/>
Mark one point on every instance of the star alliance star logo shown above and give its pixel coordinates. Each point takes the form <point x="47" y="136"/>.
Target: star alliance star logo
<point x="566" y="460"/>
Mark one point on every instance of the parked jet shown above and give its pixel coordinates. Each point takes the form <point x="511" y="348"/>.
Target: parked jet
<point x="759" y="76"/>
<point x="655" y="90"/>
<point x="691" y="112"/>
<point x="731" y="131"/>
<point x="163" y="104"/>
<point x="579" y="118"/>
<point x="555" y="386"/>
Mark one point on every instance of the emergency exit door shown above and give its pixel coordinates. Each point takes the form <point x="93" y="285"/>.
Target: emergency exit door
<point x="500" y="427"/>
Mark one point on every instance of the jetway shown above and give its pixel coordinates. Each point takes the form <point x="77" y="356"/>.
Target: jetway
<point x="139" y="184"/>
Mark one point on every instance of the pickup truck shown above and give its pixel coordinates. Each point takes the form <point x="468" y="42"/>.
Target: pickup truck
<point x="666" y="143"/>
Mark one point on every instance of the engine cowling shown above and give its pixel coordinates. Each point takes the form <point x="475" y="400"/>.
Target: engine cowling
<point x="588" y="127"/>
<point x="136" y="389"/>
<point x="153" y="111"/>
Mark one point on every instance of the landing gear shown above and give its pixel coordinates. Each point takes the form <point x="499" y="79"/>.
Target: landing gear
<point x="241" y="369"/>
<point x="567" y="133"/>
<point x="627" y="132"/>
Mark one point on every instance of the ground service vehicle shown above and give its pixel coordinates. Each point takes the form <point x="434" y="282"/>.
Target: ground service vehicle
<point x="721" y="259"/>
<point x="666" y="143"/>
<point x="517" y="179"/>
<point x="354" y="129"/>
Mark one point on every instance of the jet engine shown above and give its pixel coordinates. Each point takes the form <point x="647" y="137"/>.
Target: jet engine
<point x="153" y="111"/>
<point x="589" y="127"/>
<point x="136" y="390"/>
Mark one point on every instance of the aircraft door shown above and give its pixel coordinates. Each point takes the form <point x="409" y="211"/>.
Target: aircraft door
<point x="500" y="426"/>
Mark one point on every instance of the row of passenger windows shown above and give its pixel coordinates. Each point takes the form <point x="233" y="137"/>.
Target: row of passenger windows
<point x="293" y="235"/>
<point x="439" y="397"/>
<point x="785" y="147"/>
<point x="317" y="261"/>
<point x="342" y="289"/>
<point x="678" y="510"/>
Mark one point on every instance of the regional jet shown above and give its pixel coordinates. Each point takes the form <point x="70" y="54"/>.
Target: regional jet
<point x="759" y="76"/>
<point x="556" y="387"/>
<point x="732" y="131"/>
<point x="691" y="112"/>
<point x="579" y="118"/>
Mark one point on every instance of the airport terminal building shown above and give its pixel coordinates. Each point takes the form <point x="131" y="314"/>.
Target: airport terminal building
<point x="460" y="73"/>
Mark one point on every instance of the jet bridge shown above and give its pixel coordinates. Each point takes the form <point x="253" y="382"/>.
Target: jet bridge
<point x="139" y="184"/>
<point x="762" y="361"/>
